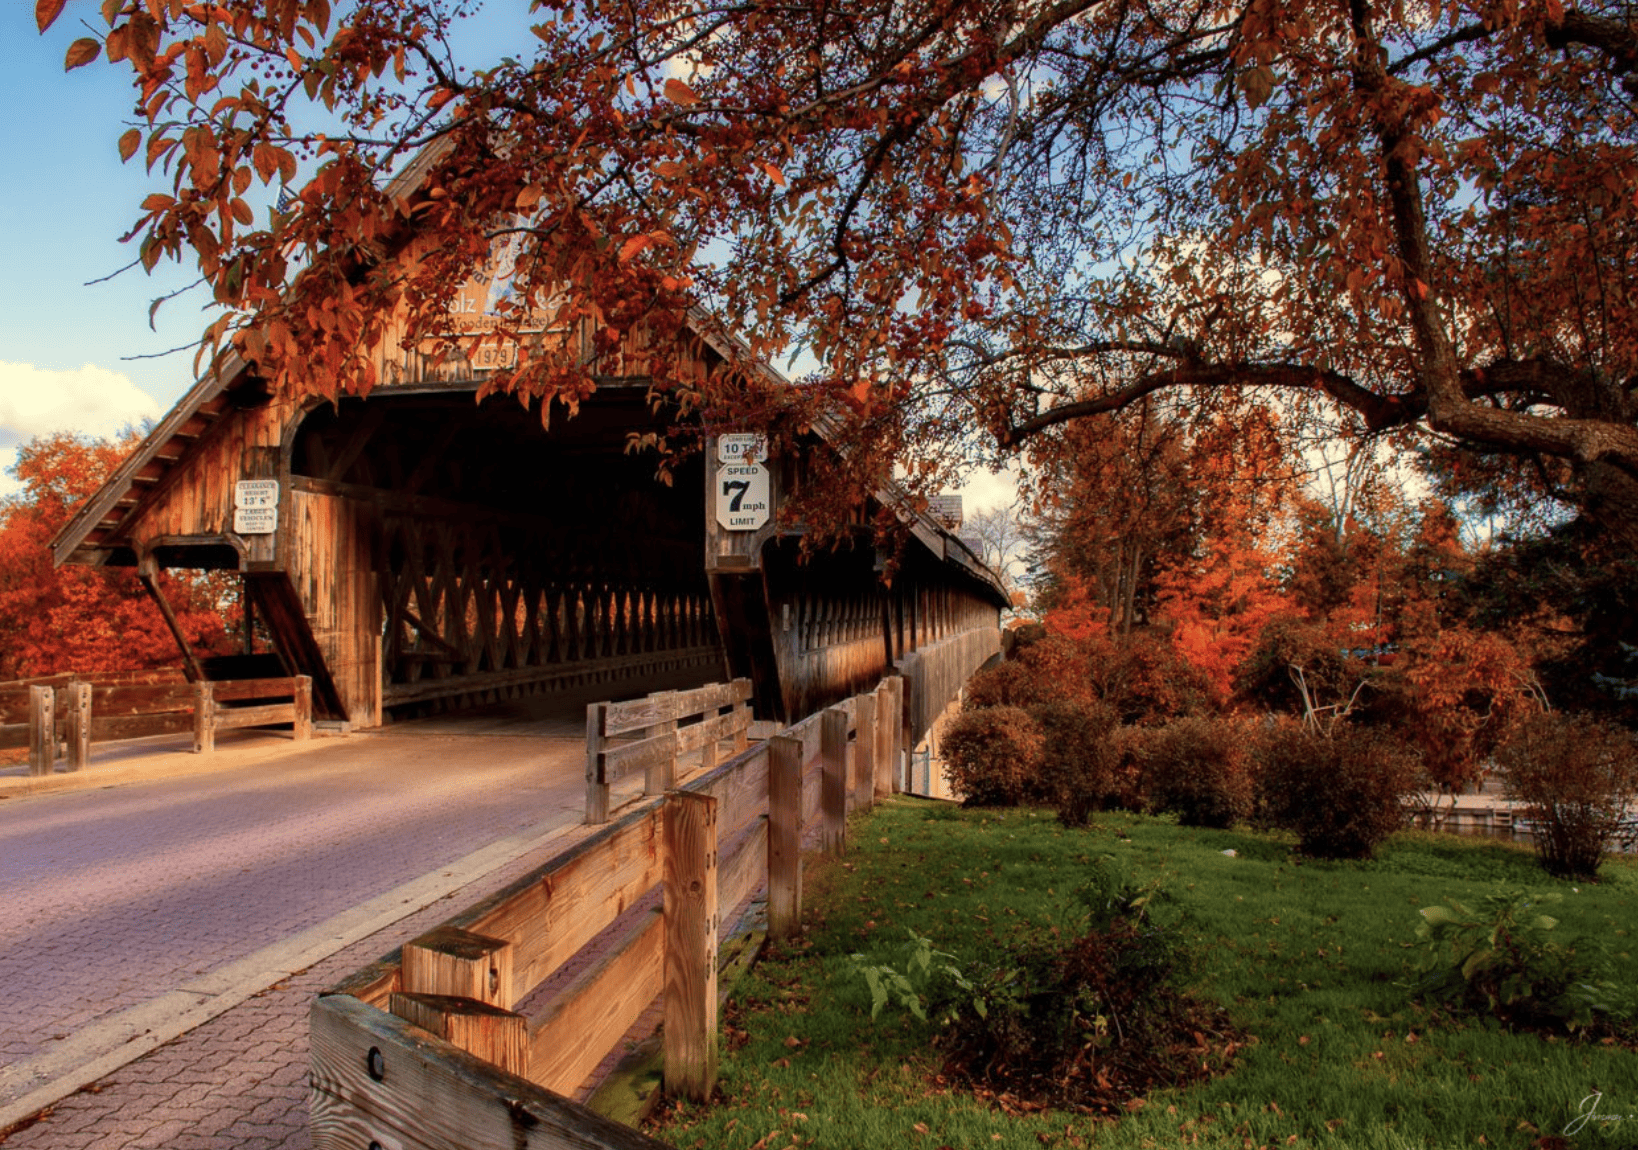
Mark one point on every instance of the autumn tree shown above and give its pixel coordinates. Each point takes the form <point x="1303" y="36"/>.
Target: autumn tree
<point x="983" y="218"/>
<point x="85" y="619"/>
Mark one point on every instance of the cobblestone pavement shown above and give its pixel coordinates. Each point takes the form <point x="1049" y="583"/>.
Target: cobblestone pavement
<point x="239" y="1080"/>
<point x="118" y="900"/>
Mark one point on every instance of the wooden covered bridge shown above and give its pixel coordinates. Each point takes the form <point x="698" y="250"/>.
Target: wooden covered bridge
<point x="420" y="550"/>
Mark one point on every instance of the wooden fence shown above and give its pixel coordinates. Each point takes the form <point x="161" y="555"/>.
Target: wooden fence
<point x="649" y="735"/>
<point x="471" y="1035"/>
<point x="65" y="715"/>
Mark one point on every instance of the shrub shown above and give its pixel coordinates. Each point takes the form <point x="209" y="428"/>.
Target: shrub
<point x="1078" y="762"/>
<point x="1505" y="960"/>
<point x="1050" y="671"/>
<point x="1144" y="677"/>
<point x="1578" y="775"/>
<point x="1198" y="769"/>
<point x="1090" y="1022"/>
<point x="1342" y="793"/>
<point x="992" y="756"/>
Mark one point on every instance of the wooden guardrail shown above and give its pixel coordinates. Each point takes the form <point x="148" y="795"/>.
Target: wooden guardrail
<point x="431" y="1047"/>
<point x="650" y="735"/>
<point x="936" y="673"/>
<point x="67" y="714"/>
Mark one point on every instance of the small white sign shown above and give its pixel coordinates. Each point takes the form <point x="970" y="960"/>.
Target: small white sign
<point x="252" y="493"/>
<point x="742" y="447"/>
<point x="255" y="520"/>
<point x="743" y="496"/>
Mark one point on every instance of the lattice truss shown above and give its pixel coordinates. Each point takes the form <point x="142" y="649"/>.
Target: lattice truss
<point x="461" y="597"/>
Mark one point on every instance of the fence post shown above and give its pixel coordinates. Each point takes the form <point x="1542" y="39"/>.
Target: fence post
<point x="833" y="778"/>
<point x="42" y="730"/>
<point x="662" y="776"/>
<point x="784" y="836"/>
<point x="886" y="721"/>
<point x="204" y="717"/>
<point x="79" y="725"/>
<point x="597" y="791"/>
<point x="864" y="749"/>
<point x="304" y="707"/>
<point x="690" y="1032"/>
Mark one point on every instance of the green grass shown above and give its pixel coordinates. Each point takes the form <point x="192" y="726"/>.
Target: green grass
<point x="1308" y="957"/>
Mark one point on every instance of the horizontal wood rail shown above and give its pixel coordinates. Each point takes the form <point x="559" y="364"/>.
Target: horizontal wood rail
<point x="483" y="1015"/>
<point x="654" y="734"/>
<point x="70" y="714"/>
<point x="577" y="673"/>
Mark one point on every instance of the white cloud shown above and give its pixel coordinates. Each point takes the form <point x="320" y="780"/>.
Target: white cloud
<point x="90" y="400"/>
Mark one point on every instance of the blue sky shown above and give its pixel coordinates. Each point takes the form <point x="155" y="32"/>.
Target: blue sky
<point x="65" y="199"/>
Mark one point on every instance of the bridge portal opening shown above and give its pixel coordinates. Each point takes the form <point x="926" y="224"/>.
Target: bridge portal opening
<point x="484" y="558"/>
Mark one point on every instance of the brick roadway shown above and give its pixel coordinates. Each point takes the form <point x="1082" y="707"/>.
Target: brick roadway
<point x="116" y="896"/>
<point x="239" y="1080"/>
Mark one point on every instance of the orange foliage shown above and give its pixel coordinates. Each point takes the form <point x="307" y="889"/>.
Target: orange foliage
<point x="77" y="618"/>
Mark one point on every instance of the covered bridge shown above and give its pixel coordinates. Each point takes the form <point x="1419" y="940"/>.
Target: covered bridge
<point x="419" y="549"/>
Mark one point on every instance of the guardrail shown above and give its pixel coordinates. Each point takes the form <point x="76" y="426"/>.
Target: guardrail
<point x="65" y="714"/>
<point x="648" y="735"/>
<point x="473" y="1034"/>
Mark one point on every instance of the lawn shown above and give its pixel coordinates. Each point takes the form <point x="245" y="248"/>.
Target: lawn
<point x="1310" y="959"/>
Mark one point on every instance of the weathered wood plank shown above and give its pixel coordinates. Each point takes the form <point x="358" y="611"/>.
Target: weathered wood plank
<point x="376" y="1078"/>
<point x="451" y="961"/>
<point x="13" y="735"/>
<point x="107" y="729"/>
<point x="235" y="690"/>
<point x="833" y="784"/>
<point x="863" y="786"/>
<point x="234" y="718"/>
<point x="586" y="1021"/>
<point x="636" y="714"/>
<point x="784" y="837"/>
<point x="204" y="718"/>
<point x="742" y="864"/>
<point x="77" y="722"/>
<point x="559" y="911"/>
<point x="42" y="730"/>
<point x="597" y="787"/>
<point x="484" y="1031"/>
<point x="141" y="700"/>
<point x="690" y="945"/>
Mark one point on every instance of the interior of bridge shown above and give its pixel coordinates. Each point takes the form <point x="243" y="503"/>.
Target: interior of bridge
<point x="510" y="554"/>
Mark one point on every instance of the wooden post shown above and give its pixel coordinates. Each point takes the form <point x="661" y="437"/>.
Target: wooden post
<point x="204" y="717"/>
<point x="886" y="722"/>
<point x="304" y="707"/>
<point x="597" y="791"/>
<point x="864" y="749"/>
<point x="79" y="725"/>
<point x="451" y="961"/>
<point x="148" y="574"/>
<point x="833" y="779"/>
<point x="784" y="836"/>
<point x="42" y="730"/>
<point x="690" y="945"/>
<point x="661" y="777"/>
<point x="488" y="1032"/>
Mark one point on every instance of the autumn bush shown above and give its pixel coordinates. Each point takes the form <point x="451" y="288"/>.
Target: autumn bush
<point x="1197" y="768"/>
<point x="1144" y="678"/>
<point x="1342" y="793"/>
<point x="1078" y="759"/>
<point x="1050" y="670"/>
<point x="1579" y="776"/>
<point x="992" y="756"/>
